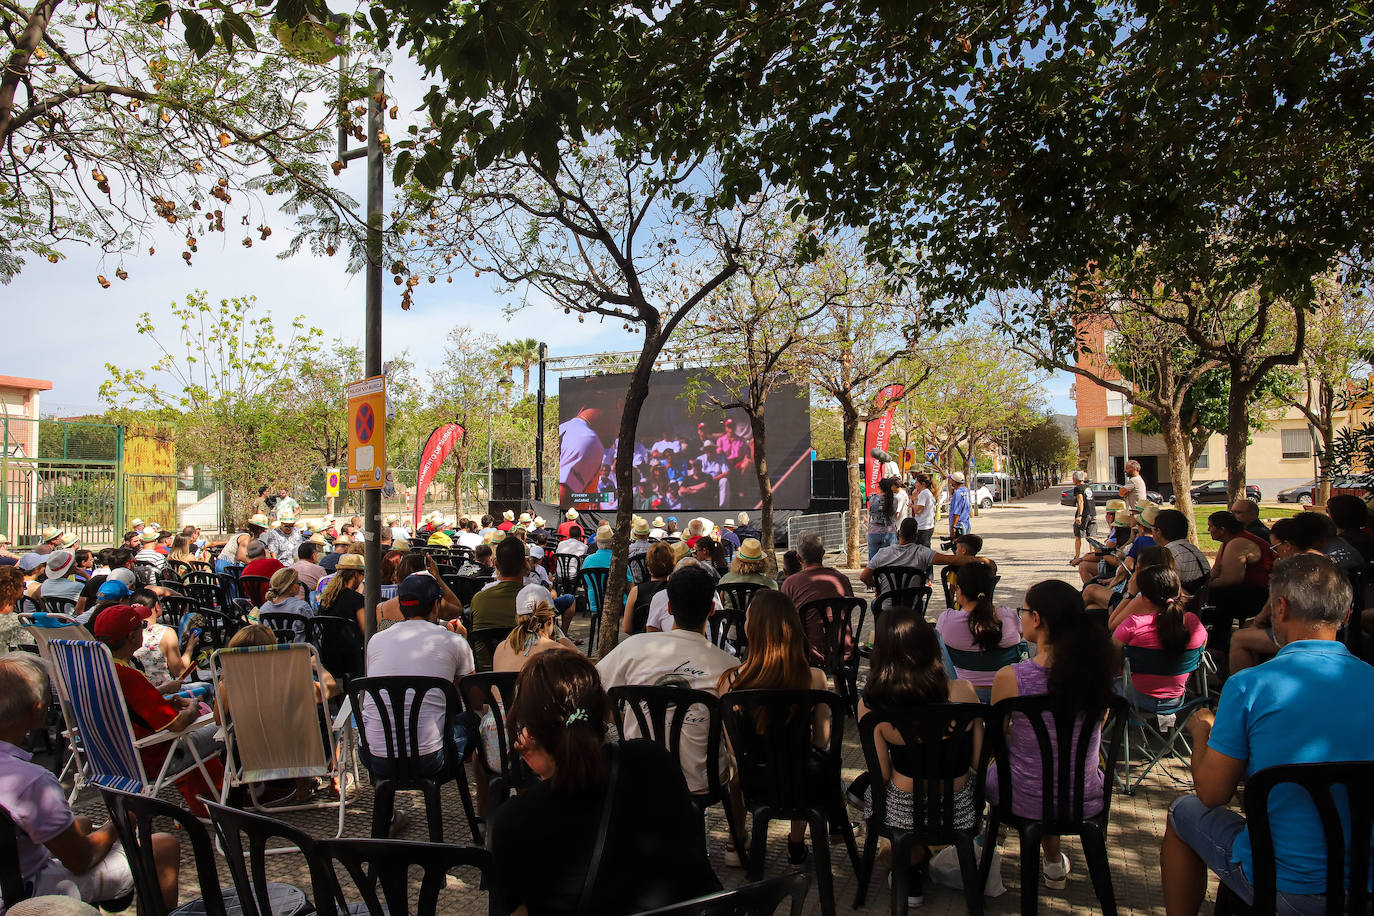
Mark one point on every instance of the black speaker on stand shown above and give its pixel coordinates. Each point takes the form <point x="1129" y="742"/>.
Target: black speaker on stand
<point x="511" y="483"/>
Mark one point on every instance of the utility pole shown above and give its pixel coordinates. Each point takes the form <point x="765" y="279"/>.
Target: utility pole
<point x="539" y="428"/>
<point x="372" y="353"/>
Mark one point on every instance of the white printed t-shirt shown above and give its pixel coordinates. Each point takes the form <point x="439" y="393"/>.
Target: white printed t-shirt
<point x="677" y="658"/>
<point x="415" y="648"/>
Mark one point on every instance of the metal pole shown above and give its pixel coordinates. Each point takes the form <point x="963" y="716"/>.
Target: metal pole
<point x="490" y="420"/>
<point x="1125" y="443"/>
<point x="539" y="428"/>
<point x="372" y="499"/>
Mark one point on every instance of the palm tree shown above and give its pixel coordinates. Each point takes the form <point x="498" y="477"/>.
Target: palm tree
<point x="522" y="354"/>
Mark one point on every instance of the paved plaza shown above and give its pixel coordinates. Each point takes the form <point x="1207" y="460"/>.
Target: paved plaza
<point x="1030" y="541"/>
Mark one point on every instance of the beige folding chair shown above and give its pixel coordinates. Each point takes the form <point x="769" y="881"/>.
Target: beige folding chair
<point x="274" y="724"/>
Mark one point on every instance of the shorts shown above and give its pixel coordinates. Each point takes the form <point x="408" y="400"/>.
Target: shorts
<point x="1211" y="832"/>
<point x="901" y="807"/>
<point x="1086" y="529"/>
<point x="108" y="879"/>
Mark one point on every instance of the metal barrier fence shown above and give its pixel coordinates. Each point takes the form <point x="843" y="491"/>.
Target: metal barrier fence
<point x="831" y="526"/>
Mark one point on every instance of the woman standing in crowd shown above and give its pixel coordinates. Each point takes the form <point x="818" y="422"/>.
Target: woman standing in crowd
<point x="1073" y="663"/>
<point x="882" y="517"/>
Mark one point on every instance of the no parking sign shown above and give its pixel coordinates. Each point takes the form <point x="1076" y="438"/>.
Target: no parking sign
<point x="367" y="433"/>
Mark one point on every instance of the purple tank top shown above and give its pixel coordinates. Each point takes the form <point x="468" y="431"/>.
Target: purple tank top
<point x="1033" y="680"/>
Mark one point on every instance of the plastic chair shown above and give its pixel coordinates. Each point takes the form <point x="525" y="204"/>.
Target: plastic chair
<point x="384" y="866"/>
<point x="58" y="605"/>
<point x="174" y="607"/>
<point x="12" y="889"/>
<point x="487" y="638"/>
<point x="1139" y="660"/>
<point x="842" y="654"/>
<point x="727" y="626"/>
<point x="565" y="579"/>
<point x="289" y="626"/>
<point x="274" y="727"/>
<point x="895" y="578"/>
<point x="464" y="587"/>
<point x="254" y="588"/>
<point x="762" y="898"/>
<point x="247" y="861"/>
<point x="341" y="646"/>
<point x="770" y="732"/>
<point x="205" y="586"/>
<point x="110" y="752"/>
<point x="494" y="690"/>
<point x="639" y="569"/>
<point x="593" y="582"/>
<point x="45" y="628"/>
<point x="1346" y="892"/>
<point x="993" y="660"/>
<point x="399" y="719"/>
<point x="649" y="706"/>
<point x="1063" y="768"/>
<point x="940" y="745"/>
<point x="913" y="596"/>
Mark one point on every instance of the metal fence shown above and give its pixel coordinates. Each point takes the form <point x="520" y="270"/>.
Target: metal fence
<point x="833" y="527"/>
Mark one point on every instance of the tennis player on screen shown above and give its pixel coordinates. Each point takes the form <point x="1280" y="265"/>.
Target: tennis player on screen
<point x="581" y="450"/>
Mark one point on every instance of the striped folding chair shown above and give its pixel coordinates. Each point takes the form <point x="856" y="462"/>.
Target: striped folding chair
<point x="85" y="671"/>
<point x="274" y="724"/>
<point x="45" y="628"/>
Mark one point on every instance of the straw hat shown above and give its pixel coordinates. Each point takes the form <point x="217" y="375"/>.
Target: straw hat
<point x="1147" y="512"/>
<point x="317" y="539"/>
<point x="539" y="521"/>
<point x="68" y="539"/>
<point x="641" y="528"/>
<point x="59" y="561"/>
<point x="148" y="534"/>
<point x="351" y="561"/>
<point x="571" y="515"/>
<point x="658" y="521"/>
<point x="524" y="518"/>
<point x="1115" y="505"/>
<point x="604" y="537"/>
<point x="343" y="539"/>
<point x="258" y="521"/>
<point x="750" y="549"/>
<point x="287" y="518"/>
<point x="136" y="524"/>
<point x="508" y="515"/>
<point x="50" y="533"/>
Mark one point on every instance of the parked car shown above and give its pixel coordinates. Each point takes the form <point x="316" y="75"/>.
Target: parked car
<point x="1214" y="491"/>
<point x="1301" y="494"/>
<point x="998" y="484"/>
<point x="1361" y="485"/>
<point x="982" y="498"/>
<point x="1105" y="491"/>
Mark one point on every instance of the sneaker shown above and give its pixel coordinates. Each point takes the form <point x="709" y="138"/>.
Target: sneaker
<point x="914" y="895"/>
<point x="1056" y="874"/>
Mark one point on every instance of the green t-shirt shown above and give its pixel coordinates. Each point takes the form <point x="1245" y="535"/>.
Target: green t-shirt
<point x="493" y="607"/>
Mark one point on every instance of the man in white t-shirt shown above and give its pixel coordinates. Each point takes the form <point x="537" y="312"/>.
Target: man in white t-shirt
<point x="419" y="645"/>
<point x="1134" y="492"/>
<point x="680" y="657"/>
<point x="467" y="535"/>
<point x="581" y="451"/>
<point x="573" y="543"/>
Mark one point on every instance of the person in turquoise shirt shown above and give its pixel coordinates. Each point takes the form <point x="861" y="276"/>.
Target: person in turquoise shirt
<point x="1287" y="710"/>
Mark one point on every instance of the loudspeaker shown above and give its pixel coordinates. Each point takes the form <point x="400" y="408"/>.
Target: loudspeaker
<point x="829" y="505"/>
<point x="829" y="479"/>
<point x="511" y="483"/>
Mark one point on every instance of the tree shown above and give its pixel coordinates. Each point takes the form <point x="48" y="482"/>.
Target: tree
<point x="111" y="127"/>
<point x="469" y="357"/>
<point x="747" y="335"/>
<point x="1041" y="453"/>
<point x="522" y="355"/>
<point x="851" y="349"/>
<point x="224" y="378"/>
<point x="603" y="230"/>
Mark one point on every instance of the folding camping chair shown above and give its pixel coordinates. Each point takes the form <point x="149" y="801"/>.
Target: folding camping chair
<point x="45" y="628"/>
<point x="275" y="726"/>
<point x="1139" y="660"/>
<point x="110" y="758"/>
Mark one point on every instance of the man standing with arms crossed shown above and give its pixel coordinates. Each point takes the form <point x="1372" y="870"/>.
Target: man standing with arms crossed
<point x="1134" y="491"/>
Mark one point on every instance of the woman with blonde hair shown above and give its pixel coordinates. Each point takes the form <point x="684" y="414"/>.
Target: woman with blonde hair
<point x="181" y="550"/>
<point x="749" y="565"/>
<point x="284" y="594"/>
<point x="777" y="661"/>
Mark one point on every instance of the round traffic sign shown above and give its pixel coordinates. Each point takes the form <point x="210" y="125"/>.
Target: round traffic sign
<point x="364" y="423"/>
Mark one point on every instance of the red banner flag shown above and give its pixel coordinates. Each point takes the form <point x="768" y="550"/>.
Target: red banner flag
<point x="878" y="433"/>
<point x="437" y="448"/>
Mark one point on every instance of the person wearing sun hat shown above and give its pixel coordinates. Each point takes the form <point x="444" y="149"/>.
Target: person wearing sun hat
<point x="235" y="552"/>
<point x="507" y="521"/>
<point x="148" y="553"/>
<point x="59" y="582"/>
<point x="331" y="560"/>
<point x="749" y="565"/>
<point x="49" y="538"/>
<point x="439" y="539"/>
<point x="569" y="519"/>
<point x="640" y="541"/>
<point x="727" y="533"/>
<point x="286" y="539"/>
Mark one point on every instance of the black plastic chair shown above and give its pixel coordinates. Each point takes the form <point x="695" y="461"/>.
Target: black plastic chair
<point x="593" y="582"/>
<point x="57" y="605"/>
<point x="132" y="816"/>
<point x="762" y="898"/>
<point x="1063" y="768"/>
<point x="206" y="583"/>
<point x="783" y="778"/>
<point x="254" y="588"/>
<point x="380" y="870"/>
<point x="464" y="587"/>
<point x="205" y="597"/>
<point x="639" y="569"/>
<point x="994" y="660"/>
<point x="494" y="690"/>
<point x="289" y="626"/>
<point x="12" y="886"/>
<point x="229" y="583"/>
<point x="568" y="566"/>
<point x="895" y="578"/>
<point x="247" y="861"/>
<point x="400" y="723"/>
<point x="460" y="554"/>
<point x="219" y="628"/>
<point x="842" y="654"/>
<point x="913" y="596"/>
<point x="487" y="638"/>
<point x="174" y="607"/>
<point x="649" y="705"/>
<point x="1317" y="780"/>
<point x="341" y="646"/>
<point x="939" y="746"/>
<point x="727" y="626"/>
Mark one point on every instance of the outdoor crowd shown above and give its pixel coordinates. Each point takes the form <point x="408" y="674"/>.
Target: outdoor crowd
<point x="708" y="610"/>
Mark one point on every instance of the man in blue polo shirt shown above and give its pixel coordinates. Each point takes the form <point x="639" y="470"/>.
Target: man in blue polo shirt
<point x="1286" y="710"/>
<point x="960" y="507"/>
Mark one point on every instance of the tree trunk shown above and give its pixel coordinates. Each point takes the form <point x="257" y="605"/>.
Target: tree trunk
<point x="1237" y="433"/>
<point x="1327" y="430"/>
<point x="1176" y="445"/>
<point x="758" y="426"/>
<point x="852" y="430"/>
<point x="624" y="490"/>
<point x="460" y="463"/>
<point x="526" y="369"/>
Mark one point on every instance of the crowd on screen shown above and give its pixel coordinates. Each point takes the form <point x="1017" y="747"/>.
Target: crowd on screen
<point x="1291" y="591"/>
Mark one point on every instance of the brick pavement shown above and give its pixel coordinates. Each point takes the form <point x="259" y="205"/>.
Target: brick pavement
<point x="1030" y="541"/>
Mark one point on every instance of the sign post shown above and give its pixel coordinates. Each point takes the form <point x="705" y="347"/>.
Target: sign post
<point x="367" y="434"/>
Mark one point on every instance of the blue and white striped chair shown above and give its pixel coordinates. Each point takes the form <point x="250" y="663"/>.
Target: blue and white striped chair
<point x="110" y="752"/>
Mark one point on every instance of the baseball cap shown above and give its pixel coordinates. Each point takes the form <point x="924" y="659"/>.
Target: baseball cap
<point x="59" y="561"/>
<point x="419" y="590"/>
<point x="115" y="623"/>
<point x="31" y="561"/>
<point x="536" y="552"/>
<point x="112" y="588"/>
<point x="528" y="597"/>
<point x="123" y="574"/>
<point x="957" y="476"/>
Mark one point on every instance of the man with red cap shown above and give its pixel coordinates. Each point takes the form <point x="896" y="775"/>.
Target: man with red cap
<point x="121" y="628"/>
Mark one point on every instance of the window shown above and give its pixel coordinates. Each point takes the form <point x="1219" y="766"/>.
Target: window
<point x="1297" y="443"/>
<point x="1116" y="404"/>
<point x="1204" y="461"/>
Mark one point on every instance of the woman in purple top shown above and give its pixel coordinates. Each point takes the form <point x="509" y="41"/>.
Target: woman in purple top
<point x="976" y="625"/>
<point x="1073" y="663"/>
